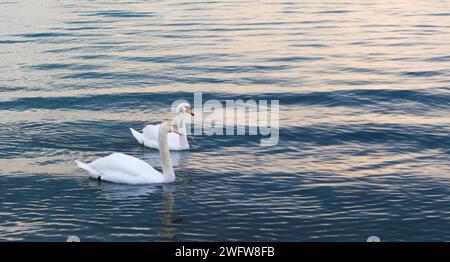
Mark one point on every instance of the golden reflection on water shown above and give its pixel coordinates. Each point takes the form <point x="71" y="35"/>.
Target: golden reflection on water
<point x="289" y="117"/>
<point x="241" y="47"/>
<point x="252" y="33"/>
<point x="368" y="42"/>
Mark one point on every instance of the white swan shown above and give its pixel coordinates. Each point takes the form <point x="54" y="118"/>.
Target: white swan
<point x="149" y="135"/>
<point x="121" y="168"/>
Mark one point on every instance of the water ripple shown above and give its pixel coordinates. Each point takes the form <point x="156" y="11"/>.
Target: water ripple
<point x="363" y="145"/>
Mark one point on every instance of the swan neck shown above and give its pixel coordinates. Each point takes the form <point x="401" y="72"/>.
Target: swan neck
<point x="165" y="156"/>
<point x="182" y="127"/>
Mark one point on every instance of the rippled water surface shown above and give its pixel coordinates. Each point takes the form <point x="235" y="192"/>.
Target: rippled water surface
<point x="364" y="89"/>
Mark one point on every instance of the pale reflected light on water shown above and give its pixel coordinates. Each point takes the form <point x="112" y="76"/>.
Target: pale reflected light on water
<point x="364" y="137"/>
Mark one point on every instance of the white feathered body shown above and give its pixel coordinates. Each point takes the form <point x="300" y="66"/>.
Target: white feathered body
<point x="125" y="169"/>
<point x="150" y="134"/>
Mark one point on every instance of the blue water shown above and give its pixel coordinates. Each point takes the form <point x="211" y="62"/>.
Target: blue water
<point x="364" y="90"/>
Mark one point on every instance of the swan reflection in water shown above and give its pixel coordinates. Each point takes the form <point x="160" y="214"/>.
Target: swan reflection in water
<point x="168" y="230"/>
<point x="111" y="191"/>
<point x="120" y="192"/>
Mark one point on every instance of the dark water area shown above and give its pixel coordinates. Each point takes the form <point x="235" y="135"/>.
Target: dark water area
<point x="364" y="94"/>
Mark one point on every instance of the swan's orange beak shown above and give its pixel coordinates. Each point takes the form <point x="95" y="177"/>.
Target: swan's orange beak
<point x="189" y="111"/>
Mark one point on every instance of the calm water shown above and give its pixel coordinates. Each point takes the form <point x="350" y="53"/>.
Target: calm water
<point x="364" y="88"/>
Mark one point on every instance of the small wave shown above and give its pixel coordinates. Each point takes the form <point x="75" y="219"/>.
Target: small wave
<point x="364" y="98"/>
<point x="13" y="41"/>
<point x="120" y="14"/>
<point x="334" y="12"/>
<point x="45" y="35"/>
<point x="82" y="28"/>
<point x="177" y="59"/>
<point x="444" y="58"/>
<point x="408" y="138"/>
<point x="421" y="73"/>
<point x="56" y="66"/>
<point x="295" y="59"/>
<point x="438" y="14"/>
<point x="310" y="45"/>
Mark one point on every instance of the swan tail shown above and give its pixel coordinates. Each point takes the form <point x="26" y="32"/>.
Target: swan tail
<point x="88" y="169"/>
<point x="139" y="136"/>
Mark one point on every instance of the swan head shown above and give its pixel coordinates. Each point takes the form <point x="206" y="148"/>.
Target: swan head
<point x="185" y="108"/>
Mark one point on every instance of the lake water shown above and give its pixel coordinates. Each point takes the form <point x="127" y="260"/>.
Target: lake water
<point x="364" y="90"/>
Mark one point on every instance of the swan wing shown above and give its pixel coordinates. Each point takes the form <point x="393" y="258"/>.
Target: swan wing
<point x="176" y="142"/>
<point x="150" y="138"/>
<point x="138" y="136"/>
<point x="173" y="140"/>
<point x="151" y="132"/>
<point x="121" y="168"/>
<point x="151" y="143"/>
